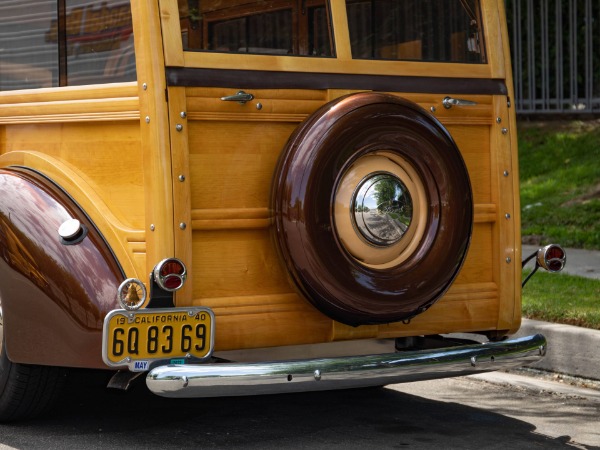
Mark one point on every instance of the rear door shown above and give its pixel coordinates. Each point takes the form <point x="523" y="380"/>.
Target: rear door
<point x="243" y="74"/>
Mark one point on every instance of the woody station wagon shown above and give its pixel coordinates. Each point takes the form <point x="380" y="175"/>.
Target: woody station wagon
<point x="235" y="197"/>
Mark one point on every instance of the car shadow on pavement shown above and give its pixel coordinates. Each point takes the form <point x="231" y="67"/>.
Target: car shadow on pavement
<point x="93" y="417"/>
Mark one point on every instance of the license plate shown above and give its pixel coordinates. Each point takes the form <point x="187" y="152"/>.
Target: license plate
<point x="137" y="339"/>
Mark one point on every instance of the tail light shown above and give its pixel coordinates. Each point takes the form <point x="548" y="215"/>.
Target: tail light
<point x="552" y="258"/>
<point x="170" y="274"/>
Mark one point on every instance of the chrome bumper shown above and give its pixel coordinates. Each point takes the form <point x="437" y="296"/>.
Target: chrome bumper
<point x="233" y="379"/>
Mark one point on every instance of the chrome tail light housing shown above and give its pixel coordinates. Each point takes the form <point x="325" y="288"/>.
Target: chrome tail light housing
<point x="551" y="258"/>
<point x="170" y="274"/>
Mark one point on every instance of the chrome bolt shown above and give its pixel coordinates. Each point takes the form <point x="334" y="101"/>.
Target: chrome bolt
<point x="183" y="114"/>
<point x="152" y="227"/>
<point x="505" y="173"/>
<point x="182" y="225"/>
<point x="147" y="119"/>
<point x="504" y="130"/>
<point x="473" y="361"/>
<point x="508" y="260"/>
<point x="259" y="106"/>
<point x="181" y="178"/>
<point x="185" y="381"/>
<point x="179" y="127"/>
<point x="507" y="215"/>
<point x="144" y="86"/>
<point x="317" y="375"/>
<point x="432" y="109"/>
<point x="498" y="119"/>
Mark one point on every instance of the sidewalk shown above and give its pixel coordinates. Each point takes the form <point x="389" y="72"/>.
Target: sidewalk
<point x="571" y="350"/>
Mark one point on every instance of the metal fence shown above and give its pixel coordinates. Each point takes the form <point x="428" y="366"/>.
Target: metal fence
<point x="556" y="55"/>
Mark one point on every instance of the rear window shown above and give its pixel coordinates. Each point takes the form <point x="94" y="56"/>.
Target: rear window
<point x="51" y="43"/>
<point x="411" y="30"/>
<point x="417" y="30"/>
<point x="264" y="27"/>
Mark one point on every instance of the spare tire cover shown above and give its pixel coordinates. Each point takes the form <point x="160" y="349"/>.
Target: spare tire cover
<point x="357" y="253"/>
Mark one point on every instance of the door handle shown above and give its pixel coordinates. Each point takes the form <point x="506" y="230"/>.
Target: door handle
<point x="241" y="97"/>
<point x="449" y="102"/>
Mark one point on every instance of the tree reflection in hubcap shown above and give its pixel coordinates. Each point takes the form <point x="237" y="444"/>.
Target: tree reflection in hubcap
<point x="381" y="209"/>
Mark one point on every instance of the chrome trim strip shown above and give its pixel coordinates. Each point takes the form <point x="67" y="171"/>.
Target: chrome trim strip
<point x="234" y="379"/>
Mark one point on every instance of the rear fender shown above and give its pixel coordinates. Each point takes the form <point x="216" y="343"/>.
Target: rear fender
<point x="54" y="294"/>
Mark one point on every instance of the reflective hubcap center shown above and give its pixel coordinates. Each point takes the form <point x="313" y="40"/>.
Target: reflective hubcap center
<point x="381" y="209"/>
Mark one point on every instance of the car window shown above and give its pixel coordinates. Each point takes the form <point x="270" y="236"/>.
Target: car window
<point x="418" y="30"/>
<point x="66" y="43"/>
<point x="27" y="58"/>
<point x="99" y="42"/>
<point x="267" y="27"/>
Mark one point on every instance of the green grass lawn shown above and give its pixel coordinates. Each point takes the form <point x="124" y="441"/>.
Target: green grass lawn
<point x="563" y="298"/>
<point x="560" y="183"/>
<point x="560" y="203"/>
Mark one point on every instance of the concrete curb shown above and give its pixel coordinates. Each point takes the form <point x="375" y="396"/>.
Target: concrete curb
<point x="571" y="350"/>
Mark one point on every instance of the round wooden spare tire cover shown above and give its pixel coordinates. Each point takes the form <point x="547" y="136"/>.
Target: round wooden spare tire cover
<point x="327" y="200"/>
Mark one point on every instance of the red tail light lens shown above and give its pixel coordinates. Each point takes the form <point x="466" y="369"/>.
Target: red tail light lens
<point x="170" y="274"/>
<point x="172" y="267"/>
<point x="172" y="282"/>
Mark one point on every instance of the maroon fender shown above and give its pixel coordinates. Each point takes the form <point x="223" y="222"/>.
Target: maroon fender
<point x="53" y="294"/>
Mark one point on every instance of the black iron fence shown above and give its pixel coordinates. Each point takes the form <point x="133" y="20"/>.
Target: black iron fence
<point x="555" y="48"/>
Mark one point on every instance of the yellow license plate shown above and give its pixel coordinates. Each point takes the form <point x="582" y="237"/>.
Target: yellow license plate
<point x="138" y="338"/>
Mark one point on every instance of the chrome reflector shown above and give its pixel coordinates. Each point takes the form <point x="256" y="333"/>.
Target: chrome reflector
<point x="131" y="294"/>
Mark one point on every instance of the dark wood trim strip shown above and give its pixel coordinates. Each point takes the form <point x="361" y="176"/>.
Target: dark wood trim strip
<point x="258" y="79"/>
<point x="61" y="27"/>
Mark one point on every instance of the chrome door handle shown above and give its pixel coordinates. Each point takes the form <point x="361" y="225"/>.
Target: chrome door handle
<point x="241" y="97"/>
<point x="449" y="102"/>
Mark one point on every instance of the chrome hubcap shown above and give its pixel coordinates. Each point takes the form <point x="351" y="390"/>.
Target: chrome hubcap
<point x="381" y="209"/>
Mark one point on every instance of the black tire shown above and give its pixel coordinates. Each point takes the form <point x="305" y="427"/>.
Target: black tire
<point x="26" y="391"/>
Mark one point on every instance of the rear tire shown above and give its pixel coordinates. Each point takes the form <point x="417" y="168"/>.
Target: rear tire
<point x="26" y="391"/>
